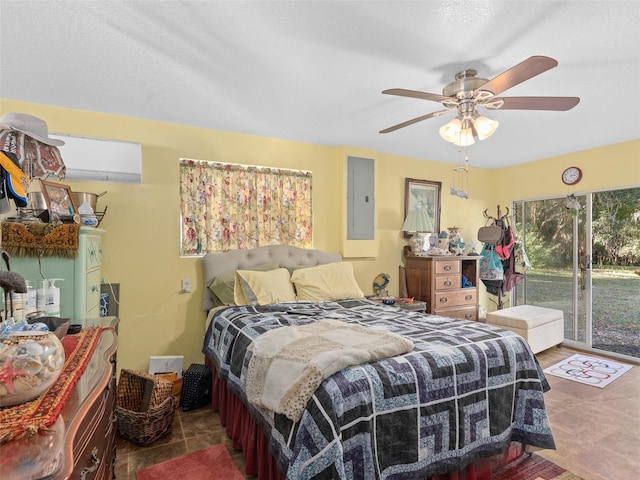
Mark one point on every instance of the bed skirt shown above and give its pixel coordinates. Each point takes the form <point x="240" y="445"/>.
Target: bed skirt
<point x="248" y="437"/>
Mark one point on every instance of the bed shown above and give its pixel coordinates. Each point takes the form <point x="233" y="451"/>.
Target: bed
<point x="467" y="398"/>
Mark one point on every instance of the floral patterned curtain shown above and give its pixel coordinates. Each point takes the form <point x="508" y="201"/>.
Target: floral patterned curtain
<point x="228" y="206"/>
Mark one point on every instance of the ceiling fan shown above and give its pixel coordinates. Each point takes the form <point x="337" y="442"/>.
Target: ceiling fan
<point x="468" y="92"/>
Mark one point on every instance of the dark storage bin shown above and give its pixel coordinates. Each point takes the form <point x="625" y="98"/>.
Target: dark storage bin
<point x="196" y="387"/>
<point x="55" y="324"/>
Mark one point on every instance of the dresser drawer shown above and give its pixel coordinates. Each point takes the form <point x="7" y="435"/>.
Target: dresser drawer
<point x="97" y="462"/>
<point x="463" y="313"/>
<point x="447" y="282"/>
<point x="95" y="419"/>
<point x="93" y="252"/>
<point x="446" y="266"/>
<point x="94" y="450"/>
<point x="455" y="298"/>
<point x="92" y="294"/>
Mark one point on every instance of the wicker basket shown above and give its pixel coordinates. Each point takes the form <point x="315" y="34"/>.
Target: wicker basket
<point x="145" y="407"/>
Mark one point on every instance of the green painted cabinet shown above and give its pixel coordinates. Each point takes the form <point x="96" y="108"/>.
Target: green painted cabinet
<point x="80" y="276"/>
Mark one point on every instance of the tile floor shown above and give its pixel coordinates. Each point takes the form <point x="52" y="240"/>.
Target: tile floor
<point x="191" y="431"/>
<point x="597" y="431"/>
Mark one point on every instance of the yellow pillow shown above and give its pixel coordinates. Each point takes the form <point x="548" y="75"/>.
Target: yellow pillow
<point x="325" y="283"/>
<point x="221" y="287"/>
<point x="263" y="288"/>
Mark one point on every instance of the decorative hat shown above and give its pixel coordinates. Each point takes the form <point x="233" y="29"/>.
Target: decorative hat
<point x="29" y="125"/>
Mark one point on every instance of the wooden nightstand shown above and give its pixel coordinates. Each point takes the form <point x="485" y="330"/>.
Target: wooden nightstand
<point x="415" y="306"/>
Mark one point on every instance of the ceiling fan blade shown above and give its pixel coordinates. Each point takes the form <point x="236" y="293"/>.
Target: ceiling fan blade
<point x="517" y="74"/>
<point x="401" y="92"/>
<point x="536" y="103"/>
<point x="414" y="120"/>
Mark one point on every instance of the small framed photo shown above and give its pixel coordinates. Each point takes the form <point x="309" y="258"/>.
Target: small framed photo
<point x="59" y="200"/>
<point x="423" y="194"/>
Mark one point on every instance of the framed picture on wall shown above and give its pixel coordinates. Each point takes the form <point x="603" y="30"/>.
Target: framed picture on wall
<point x="423" y="194"/>
<point x="59" y="200"/>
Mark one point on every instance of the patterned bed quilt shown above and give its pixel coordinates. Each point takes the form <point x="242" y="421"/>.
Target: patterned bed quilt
<point x="464" y="392"/>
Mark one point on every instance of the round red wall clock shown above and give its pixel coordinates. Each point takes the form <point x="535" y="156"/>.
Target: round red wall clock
<point x="571" y="176"/>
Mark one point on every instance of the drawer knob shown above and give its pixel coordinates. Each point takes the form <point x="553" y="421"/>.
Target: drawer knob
<point x="468" y="297"/>
<point x="447" y="283"/>
<point x="447" y="267"/>
<point x="443" y="299"/>
<point x="95" y="463"/>
<point x="468" y="315"/>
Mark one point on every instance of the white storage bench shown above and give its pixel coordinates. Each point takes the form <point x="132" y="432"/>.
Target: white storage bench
<point x="541" y="327"/>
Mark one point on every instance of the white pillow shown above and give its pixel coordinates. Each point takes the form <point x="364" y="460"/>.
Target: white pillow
<point x="263" y="288"/>
<point x="325" y="283"/>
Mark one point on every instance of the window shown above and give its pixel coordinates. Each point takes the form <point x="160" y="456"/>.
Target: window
<point x="229" y="206"/>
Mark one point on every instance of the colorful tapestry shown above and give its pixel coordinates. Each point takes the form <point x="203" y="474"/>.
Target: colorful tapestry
<point x="466" y="391"/>
<point x="30" y="417"/>
<point x="40" y="239"/>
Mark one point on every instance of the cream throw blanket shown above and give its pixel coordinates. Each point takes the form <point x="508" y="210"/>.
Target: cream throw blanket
<point x="289" y="363"/>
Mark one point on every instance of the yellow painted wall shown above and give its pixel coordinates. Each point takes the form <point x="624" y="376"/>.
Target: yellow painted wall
<point x="606" y="168"/>
<point x="141" y="243"/>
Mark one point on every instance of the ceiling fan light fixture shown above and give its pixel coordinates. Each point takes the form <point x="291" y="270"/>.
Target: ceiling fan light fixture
<point x="468" y="92"/>
<point x="451" y="131"/>
<point x="465" y="137"/>
<point x="485" y="127"/>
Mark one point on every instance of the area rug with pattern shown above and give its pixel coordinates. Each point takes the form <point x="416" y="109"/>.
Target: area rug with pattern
<point x="587" y="369"/>
<point x="533" y="467"/>
<point x="211" y="463"/>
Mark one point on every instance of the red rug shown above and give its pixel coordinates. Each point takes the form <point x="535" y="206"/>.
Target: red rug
<point x="533" y="467"/>
<point x="211" y="463"/>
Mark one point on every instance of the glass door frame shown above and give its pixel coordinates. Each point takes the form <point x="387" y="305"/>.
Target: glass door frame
<point x="577" y="305"/>
<point x="587" y="291"/>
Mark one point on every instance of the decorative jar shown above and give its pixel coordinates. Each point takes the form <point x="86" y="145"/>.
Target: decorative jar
<point x="443" y="240"/>
<point x="30" y="362"/>
<point x="456" y="243"/>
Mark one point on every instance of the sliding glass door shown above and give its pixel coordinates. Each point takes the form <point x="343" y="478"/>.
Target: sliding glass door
<point x="585" y="260"/>
<point x="555" y="240"/>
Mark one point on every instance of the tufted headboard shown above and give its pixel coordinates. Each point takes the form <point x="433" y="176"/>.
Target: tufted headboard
<point x="213" y="264"/>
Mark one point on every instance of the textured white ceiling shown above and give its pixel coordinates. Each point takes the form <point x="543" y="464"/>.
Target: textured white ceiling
<point x="313" y="70"/>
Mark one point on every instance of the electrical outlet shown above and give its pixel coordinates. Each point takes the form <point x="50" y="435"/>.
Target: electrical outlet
<point x="186" y="285"/>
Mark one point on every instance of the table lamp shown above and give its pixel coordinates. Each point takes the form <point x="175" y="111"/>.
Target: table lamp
<point x="417" y="222"/>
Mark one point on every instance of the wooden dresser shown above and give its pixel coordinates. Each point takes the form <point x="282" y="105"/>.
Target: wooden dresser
<point x="438" y="281"/>
<point x="81" y="443"/>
